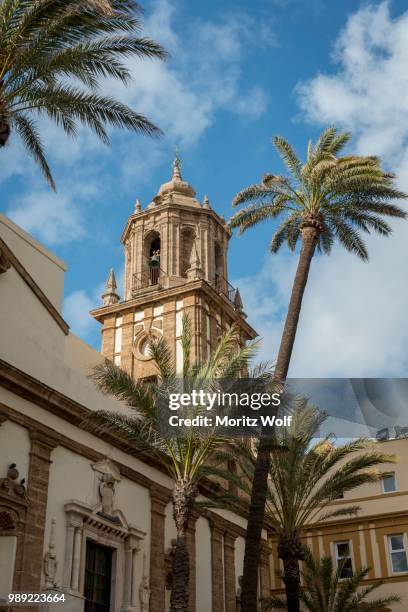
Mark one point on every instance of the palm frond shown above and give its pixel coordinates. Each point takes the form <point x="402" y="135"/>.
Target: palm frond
<point x="289" y="156"/>
<point x="348" y="195"/>
<point x="29" y="133"/>
<point x="255" y="214"/>
<point x="46" y="43"/>
<point x="113" y="380"/>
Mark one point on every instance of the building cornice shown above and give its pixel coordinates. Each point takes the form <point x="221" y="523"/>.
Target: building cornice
<point x="8" y="255"/>
<point x="190" y="286"/>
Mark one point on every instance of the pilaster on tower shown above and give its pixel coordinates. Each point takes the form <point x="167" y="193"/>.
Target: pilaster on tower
<point x="175" y="262"/>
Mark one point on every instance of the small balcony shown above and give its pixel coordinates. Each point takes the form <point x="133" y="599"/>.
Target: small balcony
<point x="146" y="279"/>
<point x="155" y="278"/>
<point x="223" y="287"/>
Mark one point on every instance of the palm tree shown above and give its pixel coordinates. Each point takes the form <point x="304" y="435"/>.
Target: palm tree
<point x="324" y="589"/>
<point x="305" y="477"/>
<point x="328" y="198"/>
<point x="48" y="49"/>
<point x="186" y="456"/>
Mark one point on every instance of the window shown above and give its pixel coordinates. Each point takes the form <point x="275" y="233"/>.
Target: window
<point x="144" y="347"/>
<point x="398" y="553"/>
<point x="343" y="559"/>
<point x="389" y="484"/>
<point x="98" y="575"/>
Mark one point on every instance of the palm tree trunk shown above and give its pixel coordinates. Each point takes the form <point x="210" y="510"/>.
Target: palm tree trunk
<point x="290" y="550"/>
<point x="180" y="575"/>
<point x="310" y="233"/>
<point x="291" y="578"/>
<point x="184" y="497"/>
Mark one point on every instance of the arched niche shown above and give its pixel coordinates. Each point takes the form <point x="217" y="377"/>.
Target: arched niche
<point x="218" y="259"/>
<point x="188" y="237"/>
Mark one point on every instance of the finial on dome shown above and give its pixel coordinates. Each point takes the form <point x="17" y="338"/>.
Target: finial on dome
<point x="110" y="296"/>
<point x="138" y="206"/>
<point x="177" y="165"/>
<point x="206" y="202"/>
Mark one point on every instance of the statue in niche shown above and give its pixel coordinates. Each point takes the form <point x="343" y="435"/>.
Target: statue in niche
<point x="50" y="560"/>
<point x="107" y="493"/>
<point x="144" y="590"/>
<point x="108" y="477"/>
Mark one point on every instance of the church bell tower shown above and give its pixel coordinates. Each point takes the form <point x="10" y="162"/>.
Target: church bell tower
<point x="175" y="262"/>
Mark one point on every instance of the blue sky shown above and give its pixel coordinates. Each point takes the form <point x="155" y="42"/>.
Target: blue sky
<point x="239" y="73"/>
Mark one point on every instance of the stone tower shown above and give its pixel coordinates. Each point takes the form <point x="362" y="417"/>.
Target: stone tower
<point x="175" y="262"/>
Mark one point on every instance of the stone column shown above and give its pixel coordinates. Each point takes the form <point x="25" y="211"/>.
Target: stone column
<point x="191" y="546"/>
<point x="37" y="491"/>
<point x="229" y="572"/>
<point x="129" y="586"/>
<point x="76" y="558"/>
<point x="159" y="498"/>
<point x="217" y="573"/>
<point x="73" y="551"/>
<point x="69" y="551"/>
<point x="134" y="593"/>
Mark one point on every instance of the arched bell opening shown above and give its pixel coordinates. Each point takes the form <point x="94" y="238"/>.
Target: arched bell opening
<point x="152" y="254"/>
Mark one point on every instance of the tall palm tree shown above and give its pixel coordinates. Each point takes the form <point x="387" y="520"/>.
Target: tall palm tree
<point x="53" y="55"/>
<point x="305" y="477"/>
<point x="327" y="198"/>
<point x="324" y="589"/>
<point x="189" y="456"/>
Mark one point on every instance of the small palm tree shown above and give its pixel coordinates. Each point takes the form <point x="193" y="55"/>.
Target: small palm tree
<point x="47" y="47"/>
<point x="305" y="477"/>
<point x="324" y="589"/>
<point x="325" y="199"/>
<point x="188" y="455"/>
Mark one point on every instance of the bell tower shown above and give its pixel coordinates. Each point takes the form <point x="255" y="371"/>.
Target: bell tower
<point x="175" y="262"/>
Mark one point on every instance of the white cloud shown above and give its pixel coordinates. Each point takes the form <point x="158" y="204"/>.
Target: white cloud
<point x="182" y="96"/>
<point x="369" y="91"/>
<point x="76" y="312"/>
<point x="203" y="75"/>
<point x="53" y="218"/>
<point x="354" y="315"/>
